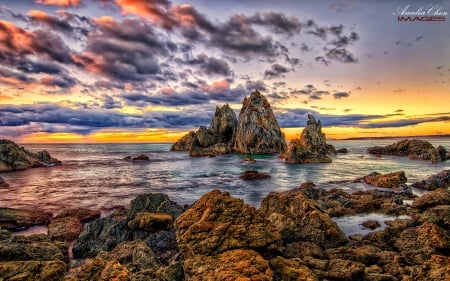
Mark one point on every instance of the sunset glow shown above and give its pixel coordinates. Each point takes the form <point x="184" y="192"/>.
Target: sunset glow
<point x="150" y="71"/>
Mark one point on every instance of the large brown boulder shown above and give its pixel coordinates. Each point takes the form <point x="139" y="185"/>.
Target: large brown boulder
<point x="32" y="270"/>
<point x="14" y="157"/>
<point x="218" y="222"/>
<point x="32" y="248"/>
<point x="311" y="147"/>
<point x="83" y="214"/>
<point x="298" y="218"/>
<point x="258" y="130"/>
<point x="433" y="198"/>
<point x="18" y="218"/>
<point x="390" y="180"/>
<point x="238" y="264"/>
<point x="65" y="229"/>
<point x="415" y="149"/>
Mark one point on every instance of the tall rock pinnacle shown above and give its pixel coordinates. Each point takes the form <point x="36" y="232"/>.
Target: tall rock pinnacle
<point x="258" y="130"/>
<point x="311" y="147"/>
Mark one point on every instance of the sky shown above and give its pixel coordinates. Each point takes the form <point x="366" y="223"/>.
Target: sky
<point x="152" y="70"/>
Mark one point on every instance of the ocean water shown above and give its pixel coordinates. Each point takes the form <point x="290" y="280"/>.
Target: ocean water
<point x="96" y="176"/>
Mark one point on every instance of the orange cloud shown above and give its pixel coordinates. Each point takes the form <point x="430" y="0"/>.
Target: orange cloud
<point x="216" y="86"/>
<point x="157" y="11"/>
<point x="14" y="39"/>
<point x="62" y="3"/>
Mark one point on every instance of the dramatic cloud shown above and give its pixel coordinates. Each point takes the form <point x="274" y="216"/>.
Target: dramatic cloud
<point x="276" y="71"/>
<point x="340" y="95"/>
<point x="277" y="22"/>
<point x="404" y="122"/>
<point x="62" y="3"/>
<point x="341" y="55"/>
<point x="209" y="65"/>
<point x="255" y="85"/>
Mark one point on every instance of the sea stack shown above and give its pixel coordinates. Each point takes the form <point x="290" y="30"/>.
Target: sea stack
<point x="311" y="147"/>
<point x="258" y="130"/>
<point x="217" y="139"/>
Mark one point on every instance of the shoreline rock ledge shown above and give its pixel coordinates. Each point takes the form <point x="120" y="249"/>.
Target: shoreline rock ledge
<point x="256" y="131"/>
<point x="14" y="157"/>
<point x="311" y="147"/>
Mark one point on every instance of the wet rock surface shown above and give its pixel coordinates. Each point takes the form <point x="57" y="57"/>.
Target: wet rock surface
<point x="415" y="149"/>
<point x="14" y="157"/>
<point x="390" y="180"/>
<point x="14" y="219"/>
<point x="440" y="180"/>
<point x="253" y="175"/>
<point x="311" y="147"/>
<point x="290" y="237"/>
<point x="3" y="184"/>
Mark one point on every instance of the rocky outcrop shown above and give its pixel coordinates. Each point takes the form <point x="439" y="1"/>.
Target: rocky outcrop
<point x="13" y="157"/>
<point x="258" y="131"/>
<point x="217" y="139"/>
<point x="391" y="180"/>
<point x="83" y="214"/>
<point x="436" y="197"/>
<point x="298" y="218"/>
<point x="311" y="147"/>
<point x="440" y="180"/>
<point x="32" y="270"/>
<point x="65" y="229"/>
<point x="13" y="219"/>
<point x="149" y="219"/>
<point x="415" y="149"/>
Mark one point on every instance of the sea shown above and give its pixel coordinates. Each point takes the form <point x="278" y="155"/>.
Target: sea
<point x="96" y="176"/>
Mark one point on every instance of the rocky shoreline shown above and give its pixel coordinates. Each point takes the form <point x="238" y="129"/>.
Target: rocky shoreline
<point x="292" y="236"/>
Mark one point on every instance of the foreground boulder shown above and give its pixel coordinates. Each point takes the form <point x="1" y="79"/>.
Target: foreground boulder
<point x="298" y="218"/>
<point x="415" y="149"/>
<point x="149" y="219"/>
<point x="32" y="270"/>
<point x="311" y="147"/>
<point x="13" y="219"/>
<point x="218" y="222"/>
<point x="258" y="130"/>
<point x="391" y="180"/>
<point x="14" y="157"/>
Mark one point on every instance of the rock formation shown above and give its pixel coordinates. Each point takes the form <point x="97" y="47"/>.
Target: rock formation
<point x="390" y="180"/>
<point x="258" y="130"/>
<point x="13" y="157"/>
<point x="18" y="218"/>
<point x="414" y="149"/>
<point x="311" y="147"/>
<point x="440" y="180"/>
<point x="216" y="139"/>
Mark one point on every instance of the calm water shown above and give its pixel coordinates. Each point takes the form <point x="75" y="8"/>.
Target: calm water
<point x="95" y="176"/>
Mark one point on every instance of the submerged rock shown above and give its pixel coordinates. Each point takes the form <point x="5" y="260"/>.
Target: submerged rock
<point x="3" y="184"/>
<point x="342" y="150"/>
<point x="253" y="175"/>
<point x="141" y="158"/>
<point x="311" y="147"/>
<point x="13" y="219"/>
<point x="13" y="157"/>
<point x="390" y="180"/>
<point x="258" y="130"/>
<point x="415" y="149"/>
<point x="249" y="160"/>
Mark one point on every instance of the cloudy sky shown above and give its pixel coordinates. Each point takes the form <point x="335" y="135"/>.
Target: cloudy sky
<point x="151" y="70"/>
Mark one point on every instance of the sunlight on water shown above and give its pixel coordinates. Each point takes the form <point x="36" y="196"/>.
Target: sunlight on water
<point x="96" y="176"/>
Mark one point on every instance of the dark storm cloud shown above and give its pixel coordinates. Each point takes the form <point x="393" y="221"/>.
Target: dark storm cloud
<point x="62" y="81"/>
<point x="17" y="76"/>
<point x="110" y="103"/>
<point x="167" y="99"/>
<point x="340" y="95"/>
<point x="277" y="22"/>
<point x="208" y="65"/>
<point x="29" y="66"/>
<point x="255" y="85"/>
<point x="276" y="71"/>
<point x="341" y="55"/>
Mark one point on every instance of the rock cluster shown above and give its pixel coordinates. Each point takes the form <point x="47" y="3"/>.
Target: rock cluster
<point x="311" y="147"/>
<point x="290" y="237"/>
<point x="256" y="131"/>
<point x="14" y="157"/>
<point x="390" y="180"/>
<point x="440" y="180"/>
<point x="415" y="149"/>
